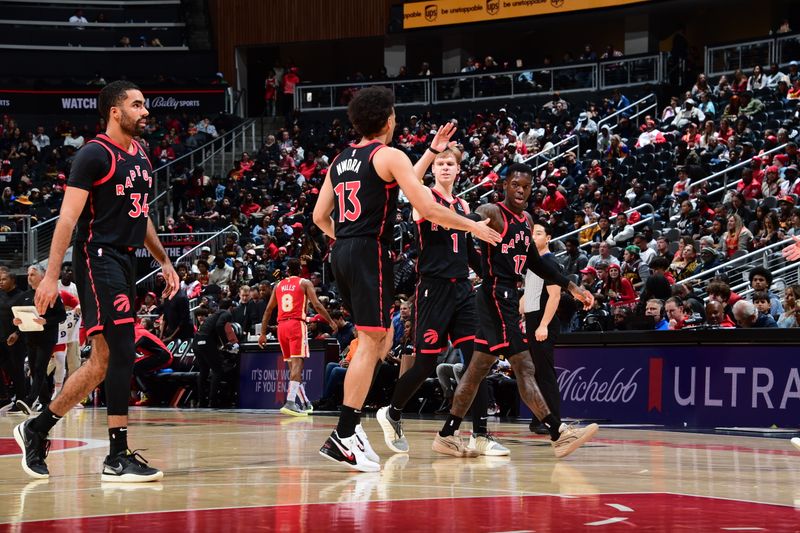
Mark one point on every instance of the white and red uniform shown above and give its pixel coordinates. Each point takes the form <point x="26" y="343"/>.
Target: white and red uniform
<point x="292" y="303"/>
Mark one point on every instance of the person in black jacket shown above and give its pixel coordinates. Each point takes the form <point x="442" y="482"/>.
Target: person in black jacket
<point x="39" y="343"/>
<point x="12" y="352"/>
<point x="216" y="331"/>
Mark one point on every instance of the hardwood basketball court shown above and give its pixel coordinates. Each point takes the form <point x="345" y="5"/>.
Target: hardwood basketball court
<point x="260" y="471"/>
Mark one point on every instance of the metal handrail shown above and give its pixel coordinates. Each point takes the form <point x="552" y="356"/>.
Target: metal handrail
<point x="743" y="289"/>
<point x="228" y="229"/>
<point x="738" y="260"/>
<point x="724" y="172"/>
<point x="594" y="224"/>
<point x="559" y="143"/>
<point x="709" y="50"/>
<point x="624" y="62"/>
<point x="304" y="88"/>
<point x="626" y="108"/>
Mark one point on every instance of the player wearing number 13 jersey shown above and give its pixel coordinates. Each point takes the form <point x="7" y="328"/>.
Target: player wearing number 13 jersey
<point x="360" y="193"/>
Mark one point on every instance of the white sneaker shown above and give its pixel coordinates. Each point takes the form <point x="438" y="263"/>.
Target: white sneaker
<point x="796" y="442"/>
<point x="368" y="451"/>
<point x="487" y="445"/>
<point x="392" y="431"/>
<point x="572" y="438"/>
<point x="348" y="452"/>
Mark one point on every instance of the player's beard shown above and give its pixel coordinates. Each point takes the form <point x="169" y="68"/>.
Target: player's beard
<point x="130" y="125"/>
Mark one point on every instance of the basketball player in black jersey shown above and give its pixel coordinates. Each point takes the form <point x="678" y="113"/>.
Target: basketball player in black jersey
<point x="360" y="191"/>
<point x="110" y="184"/>
<point x="498" y="311"/>
<point x="445" y="308"/>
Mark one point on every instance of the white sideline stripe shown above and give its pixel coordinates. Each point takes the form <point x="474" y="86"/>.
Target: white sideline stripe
<point x="620" y="507"/>
<point x="607" y="521"/>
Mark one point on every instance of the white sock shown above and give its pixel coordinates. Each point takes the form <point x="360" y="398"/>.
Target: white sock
<point x="302" y="393"/>
<point x="293" y="388"/>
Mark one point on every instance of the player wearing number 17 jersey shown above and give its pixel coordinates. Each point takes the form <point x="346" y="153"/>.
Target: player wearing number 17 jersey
<point x="107" y="195"/>
<point x="291" y="296"/>
<point x="360" y="191"/>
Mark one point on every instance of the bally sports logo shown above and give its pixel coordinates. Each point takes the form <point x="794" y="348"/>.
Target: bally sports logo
<point x="122" y="303"/>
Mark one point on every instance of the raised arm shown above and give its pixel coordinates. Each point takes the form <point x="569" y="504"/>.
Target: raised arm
<point x="393" y="162"/>
<point x="440" y="142"/>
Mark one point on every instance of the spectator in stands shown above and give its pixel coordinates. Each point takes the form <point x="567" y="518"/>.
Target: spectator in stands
<point x="674" y="310"/>
<point x="761" y="280"/>
<point x="633" y="268"/>
<point x="205" y="126"/>
<point x="41" y="140"/>
<point x="655" y="310"/>
<point x="717" y="317"/>
<point x="221" y="273"/>
<point x="757" y="80"/>
<point x="775" y="76"/>
<point x="750" y="104"/>
<point x="622" y="233"/>
<point x="700" y="86"/>
<point x="554" y="201"/>
<point x="78" y="19"/>
<point x="687" y="114"/>
<point x="709" y="259"/>
<point x="74" y="139"/>
<point x="707" y="106"/>
<point x="618" y="289"/>
<point x="604" y="254"/>
<point x="575" y="259"/>
<point x="790" y="318"/>
<point x="747" y="316"/>
<point x="590" y="280"/>
<point x="736" y="238"/>
<point x="289" y="82"/>
<point x="687" y="266"/>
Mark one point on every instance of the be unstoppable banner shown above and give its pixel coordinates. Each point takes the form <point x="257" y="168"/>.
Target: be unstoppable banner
<point x="84" y="101"/>
<point x="444" y="12"/>
<point x="694" y="386"/>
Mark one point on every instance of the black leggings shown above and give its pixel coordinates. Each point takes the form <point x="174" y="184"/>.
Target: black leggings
<point x="208" y="358"/>
<point x="12" y="360"/>
<point x="544" y="360"/>
<point x="121" y="355"/>
<point x="40" y="349"/>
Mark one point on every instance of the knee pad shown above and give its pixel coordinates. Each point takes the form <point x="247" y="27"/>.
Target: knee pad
<point x="121" y="355"/>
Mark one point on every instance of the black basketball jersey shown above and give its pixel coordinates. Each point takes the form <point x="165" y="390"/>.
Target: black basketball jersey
<point x="120" y="185"/>
<point x="364" y="204"/>
<point x="505" y="262"/>
<point x="442" y="251"/>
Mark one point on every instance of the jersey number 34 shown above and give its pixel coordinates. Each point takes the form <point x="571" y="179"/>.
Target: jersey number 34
<point x="140" y="205"/>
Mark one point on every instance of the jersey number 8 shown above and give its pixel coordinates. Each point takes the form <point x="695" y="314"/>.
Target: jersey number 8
<point x="287" y="303"/>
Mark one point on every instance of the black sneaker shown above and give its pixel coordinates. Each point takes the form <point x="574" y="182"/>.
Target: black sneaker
<point x="23" y="407"/>
<point x="128" y="467"/>
<point x="35" y="447"/>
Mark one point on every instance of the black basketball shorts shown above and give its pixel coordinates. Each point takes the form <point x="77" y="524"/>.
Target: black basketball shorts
<point x="498" y="330"/>
<point x="445" y="310"/>
<point x="106" y="286"/>
<point x="365" y="277"/>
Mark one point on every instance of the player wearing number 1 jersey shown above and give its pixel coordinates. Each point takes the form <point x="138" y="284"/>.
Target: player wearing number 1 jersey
<point x="107" y="195"/>
<point x="360" y="191"/>
<point x="291" y="296"/>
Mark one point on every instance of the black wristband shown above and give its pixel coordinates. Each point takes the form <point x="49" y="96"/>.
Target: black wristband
<point x="474" y="216"/>
<point x="434" y="152"/>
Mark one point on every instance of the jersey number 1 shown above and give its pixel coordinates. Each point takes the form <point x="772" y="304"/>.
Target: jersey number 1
<point x="140" y="206"/>
<point x="352" y="188"/>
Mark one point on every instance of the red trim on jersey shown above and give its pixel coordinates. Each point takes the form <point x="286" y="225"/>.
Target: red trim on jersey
<point x="499" y="312"/>
<point x="481" y="341"/>
<point x="373" y="141"/>
<point x="144" y="153"/>
<point x="520" y="218"/>
<point x="113" y="165"/>
<point x="431" y="351"/>
<point x="120" y="321"/>
<point x="440" y="195"/>
<point x="505" y="224"/>
<point x="91" y="331"/>
<point x="371" y="328"/>
<point x="391" y="185"/>
<point x="380" y="263"/>
<point x="112" y="141"/>
<point x="374" y="151"/>
<point x="464" y="339"/>
<point x="496" y="346"/>
<point x="89" y="269"/>
<point x="416" y="292"/>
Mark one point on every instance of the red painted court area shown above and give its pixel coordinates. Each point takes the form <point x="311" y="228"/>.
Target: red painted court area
<point x="8" y="446"/>
<point x="607" y="512"/>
